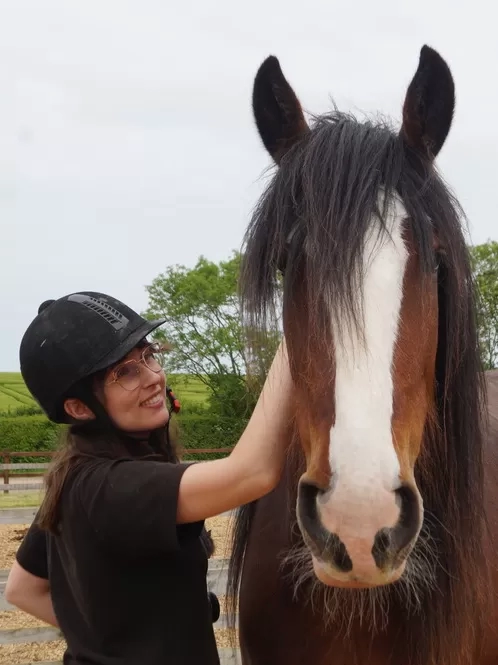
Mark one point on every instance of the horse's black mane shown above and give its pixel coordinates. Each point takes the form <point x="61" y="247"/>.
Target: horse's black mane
<point x="325" y="191"/>
<point x="323" y="196"/>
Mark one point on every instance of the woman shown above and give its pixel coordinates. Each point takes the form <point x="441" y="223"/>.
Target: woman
<point x="116" y="555"/>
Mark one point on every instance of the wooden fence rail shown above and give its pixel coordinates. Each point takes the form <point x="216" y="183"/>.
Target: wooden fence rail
<point x="36" y="469"/>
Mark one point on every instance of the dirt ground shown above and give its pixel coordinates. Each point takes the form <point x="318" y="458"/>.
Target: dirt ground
<point x="220" y="528"/>
<point x="22" y="654"/>
<point x="15" y="654"/>
<point x="10" y="539"/>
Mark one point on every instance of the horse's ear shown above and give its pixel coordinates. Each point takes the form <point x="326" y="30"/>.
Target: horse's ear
<point x="429" y="104"/>
<point x="277" y="111"/>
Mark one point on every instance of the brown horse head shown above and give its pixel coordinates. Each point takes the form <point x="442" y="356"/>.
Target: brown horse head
<point x="364" y="232"/>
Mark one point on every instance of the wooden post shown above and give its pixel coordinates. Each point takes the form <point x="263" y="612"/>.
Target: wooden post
<point x="6" y="472"/>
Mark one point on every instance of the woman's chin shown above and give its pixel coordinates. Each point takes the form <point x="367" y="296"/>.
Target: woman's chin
<point x="159" y="419"/>
<point x="149" y="422"/>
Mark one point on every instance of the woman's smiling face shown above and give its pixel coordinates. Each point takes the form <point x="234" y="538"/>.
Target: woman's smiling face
<point x="133" y="391"/>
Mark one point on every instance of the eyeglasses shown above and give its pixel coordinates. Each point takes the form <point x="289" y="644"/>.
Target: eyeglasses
<point x="128" y="374"/>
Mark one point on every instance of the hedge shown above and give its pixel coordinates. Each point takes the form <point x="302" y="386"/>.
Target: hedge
<point x="27" y="433"/>
<point x="37" y="433"/>
<point x="196" y="431"/>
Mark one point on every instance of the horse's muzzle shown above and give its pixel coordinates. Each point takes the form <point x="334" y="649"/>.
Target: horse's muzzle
<point x="360" y="547"/>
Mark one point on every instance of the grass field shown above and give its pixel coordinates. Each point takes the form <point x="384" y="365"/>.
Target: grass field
<point x="14" y="394"/>
<point x="188" y="388"/>
<point x="18" y="499"/>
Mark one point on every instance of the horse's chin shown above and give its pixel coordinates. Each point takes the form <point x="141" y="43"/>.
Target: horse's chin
<point x="331" y="578"/>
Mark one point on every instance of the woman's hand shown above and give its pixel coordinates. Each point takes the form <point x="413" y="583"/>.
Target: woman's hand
<point x="30" y="594"/>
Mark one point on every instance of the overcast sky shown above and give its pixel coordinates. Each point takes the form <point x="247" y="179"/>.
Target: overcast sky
<point x="127" y="142"/>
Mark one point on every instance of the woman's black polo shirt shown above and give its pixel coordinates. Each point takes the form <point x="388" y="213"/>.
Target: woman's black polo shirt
<point x="128" y="584"/>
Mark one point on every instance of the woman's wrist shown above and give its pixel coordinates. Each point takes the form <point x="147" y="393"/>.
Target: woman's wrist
<point x="265" y="440"/>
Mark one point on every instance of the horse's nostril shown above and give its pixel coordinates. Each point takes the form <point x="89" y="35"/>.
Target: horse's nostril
<point x="307" y="509"/>
<point x="409" y="502"/>
<point x="325" y="544"/>
<point x="339" y="553"/>
<point x="390" y="543"/>
<point x="409" y="519"/>
<point x="381" y="547"/>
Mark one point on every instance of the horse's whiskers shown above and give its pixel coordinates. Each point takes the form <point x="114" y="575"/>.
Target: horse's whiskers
<point x="367" y="607"/>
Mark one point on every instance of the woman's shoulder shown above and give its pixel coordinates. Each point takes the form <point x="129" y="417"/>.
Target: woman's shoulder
<point x="128" y="503"/>
<point x="121" y="479"/>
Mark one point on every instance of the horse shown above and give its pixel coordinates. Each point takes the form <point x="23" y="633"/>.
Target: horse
<point x="379" y="546"/>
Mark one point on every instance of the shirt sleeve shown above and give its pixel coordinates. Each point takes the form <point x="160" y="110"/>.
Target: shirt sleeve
<point x="32" y="553"/>
<point x="132" y="505"/>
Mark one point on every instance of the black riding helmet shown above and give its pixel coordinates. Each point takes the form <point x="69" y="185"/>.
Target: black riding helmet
<point x="72" y="338"/>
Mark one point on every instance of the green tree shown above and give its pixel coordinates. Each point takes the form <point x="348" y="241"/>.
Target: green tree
<point x="205" y="331"/>
<point x="485" y="268"/>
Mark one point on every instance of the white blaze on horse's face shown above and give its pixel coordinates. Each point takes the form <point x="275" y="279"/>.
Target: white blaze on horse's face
<point x="363" y="461"/>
